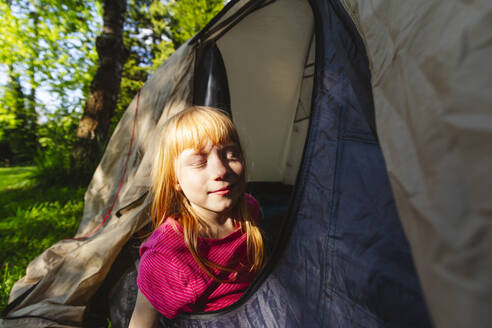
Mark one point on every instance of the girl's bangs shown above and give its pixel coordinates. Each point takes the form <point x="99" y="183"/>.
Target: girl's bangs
<point x="197" y="129"/>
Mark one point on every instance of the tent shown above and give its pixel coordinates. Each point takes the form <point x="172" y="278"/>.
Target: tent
<point x="367" y="129"/>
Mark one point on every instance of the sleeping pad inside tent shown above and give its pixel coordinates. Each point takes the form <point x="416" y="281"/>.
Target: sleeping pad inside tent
<point x="329" y="97"/>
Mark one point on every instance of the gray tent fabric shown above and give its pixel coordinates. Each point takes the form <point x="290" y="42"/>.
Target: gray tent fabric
<point x="393" y="175"/>
<point x="431" y="81"/>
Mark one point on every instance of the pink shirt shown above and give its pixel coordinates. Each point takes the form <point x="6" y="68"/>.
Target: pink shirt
<point x="172" y="280"/>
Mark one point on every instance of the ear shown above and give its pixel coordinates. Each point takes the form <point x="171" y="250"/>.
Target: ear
<point x="177" y="186"/>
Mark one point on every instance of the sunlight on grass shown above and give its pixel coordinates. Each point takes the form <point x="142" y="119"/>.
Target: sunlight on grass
<point x="15" y="177"/>
<point x="31" y="219"/>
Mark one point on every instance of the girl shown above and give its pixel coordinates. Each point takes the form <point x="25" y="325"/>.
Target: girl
<point x="206" y="247"/>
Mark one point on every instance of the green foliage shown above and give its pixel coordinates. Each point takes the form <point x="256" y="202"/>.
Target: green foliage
<point x="163" y="44"/>
<point x="32" y="218"/>
<point x="52" y="41"/>
<point x="14" y="178"/>
<point x="57" y="138"/>
<point x="50" y="45"/>
<point x="46" y="44"/>
<point x="17" y="125"/>
<point x="153" y="30"/>
<point x="141" y="41"/>
<point x="187" y="17"/>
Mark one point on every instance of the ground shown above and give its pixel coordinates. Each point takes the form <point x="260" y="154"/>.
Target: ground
<point x="32" y="218"/>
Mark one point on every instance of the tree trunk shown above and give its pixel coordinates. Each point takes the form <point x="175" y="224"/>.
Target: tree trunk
<point x="105" y="87"/>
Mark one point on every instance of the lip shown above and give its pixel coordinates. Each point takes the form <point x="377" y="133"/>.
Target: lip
<point x="222" y="191"/>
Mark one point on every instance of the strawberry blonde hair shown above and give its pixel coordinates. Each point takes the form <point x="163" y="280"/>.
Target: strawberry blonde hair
<point x="192" y="128"/>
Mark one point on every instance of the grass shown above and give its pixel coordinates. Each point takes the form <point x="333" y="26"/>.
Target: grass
<point x="32" y="218"/>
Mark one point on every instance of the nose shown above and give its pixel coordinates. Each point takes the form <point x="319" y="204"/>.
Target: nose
<point x="218" y="169"/>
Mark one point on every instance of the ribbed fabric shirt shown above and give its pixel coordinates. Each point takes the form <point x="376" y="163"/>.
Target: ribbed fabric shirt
<point x="173" y="282"/>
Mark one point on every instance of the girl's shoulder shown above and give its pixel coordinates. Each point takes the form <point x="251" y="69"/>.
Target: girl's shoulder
<point x="164" y="274"/>
<point x="167" y="238"/>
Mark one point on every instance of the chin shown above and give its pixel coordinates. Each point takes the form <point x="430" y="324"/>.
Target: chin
<point x="226" y="207"/>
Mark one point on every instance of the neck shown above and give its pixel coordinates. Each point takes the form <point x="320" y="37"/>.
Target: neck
<point x="210" y="217"/>
<point x="215" y="225"/>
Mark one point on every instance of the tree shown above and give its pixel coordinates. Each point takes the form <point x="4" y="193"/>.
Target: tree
<point x="169" y="24"/>
<point x="105" y="87"/>
<point x="154" y="29"/>
<point x="18" y="125"/>
<point x="18" y="118"/>
<point x="43" y="45"/>
<point x="48" y="45"/>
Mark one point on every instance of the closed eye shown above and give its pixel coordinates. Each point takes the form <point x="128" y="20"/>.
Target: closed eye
<point x="233" y="157"/>
<point x="232" y="154"/>
<point x="197" y="161"/>
<point x="199" y="164"/>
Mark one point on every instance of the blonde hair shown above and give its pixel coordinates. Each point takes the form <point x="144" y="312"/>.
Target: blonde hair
<point x="193" y="128"/>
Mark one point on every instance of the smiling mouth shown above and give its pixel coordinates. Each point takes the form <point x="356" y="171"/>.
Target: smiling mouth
<point x="222" y="191"/>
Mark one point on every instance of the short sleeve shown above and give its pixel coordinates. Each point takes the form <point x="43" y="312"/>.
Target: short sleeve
<point x="253" y="206"/>
<point x="161" y="279"/>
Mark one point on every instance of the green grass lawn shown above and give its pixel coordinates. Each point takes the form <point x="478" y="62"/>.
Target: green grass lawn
<point x="32" y="218"/>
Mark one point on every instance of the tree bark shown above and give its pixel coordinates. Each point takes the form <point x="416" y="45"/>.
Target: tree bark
<point x="105" y="87"/>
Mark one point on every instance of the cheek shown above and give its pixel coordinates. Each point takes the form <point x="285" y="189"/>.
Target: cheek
<point x="237" y="167"/>
<point x="185" y="179"/>
<point x="182" y="177"/>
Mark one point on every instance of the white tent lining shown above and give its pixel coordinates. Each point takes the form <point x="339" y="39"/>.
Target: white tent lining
<point x="265" y="55"/>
